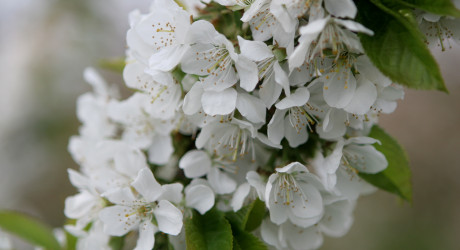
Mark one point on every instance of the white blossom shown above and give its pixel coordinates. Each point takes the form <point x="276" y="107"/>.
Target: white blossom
<point x="137" y="211"/>
<point x="293" y="193"/>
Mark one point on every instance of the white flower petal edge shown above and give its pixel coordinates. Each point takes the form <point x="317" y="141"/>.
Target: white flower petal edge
<point x="169" y="217"/>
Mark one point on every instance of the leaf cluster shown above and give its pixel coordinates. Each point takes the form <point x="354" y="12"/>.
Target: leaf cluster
<point x="227" y="231"/>
<point x="397" y="47"/>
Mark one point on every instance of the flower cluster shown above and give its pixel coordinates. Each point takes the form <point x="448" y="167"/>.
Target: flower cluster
<point x="234" y="101"/>
<point x="439" y="30"/>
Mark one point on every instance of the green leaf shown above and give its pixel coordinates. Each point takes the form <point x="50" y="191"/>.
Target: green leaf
<point x="71" y="241"/>
<point x="117" y="242"/>
<point x="208" y="232"/>
<point x="256" y="215"/>
<point x="236" y="246"/>
<point x="396" y="178"/>
<point x="248" y="217"/>
<point x="114" y="64"/>
<point x="245" y="240"/>
<point x="439" y="7"/>
<point x="28" y="229"/>
<point x="397" y="46"/>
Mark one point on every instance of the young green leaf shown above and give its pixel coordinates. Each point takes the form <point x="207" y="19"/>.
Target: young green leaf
<point x="116" y="64"/>
<point x="245" y="240"/>
<point x="439" y="7"/>
<point x="209" y="231"/>
<point x="236" y="246"/>
<point x="71" y="241"/>
<point x="256" y="215"/>
<point x="396" y="178"/>
<point x="28" y="229"/>
<point x="248" y="217"/>
<point x="397" y="47"/>
<point x="117" y="243"/>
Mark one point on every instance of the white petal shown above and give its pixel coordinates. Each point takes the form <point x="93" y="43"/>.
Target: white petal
<point x="248" y="72"/>
<point x="202" y="32"/>
<point x="365" y="95"/>
<point x="197" y="65"/>
<point x="172" y="192"/>
<point x="122" y="196"/>
<point x="96" y="81"/>
<point x="296" y="99"/>
<point x="251" y="107"/>
<point x="333" y="124"/>
<point x="205" y="134"/>
<point x="304" y="222"/>
<point x="298" y="56"/>
<point x="281" y="77"/>
<point x="78" y="180"/>
<point x="220" y="181"/>
<point x="253" y="10"/>
<point x="126" y="110"/>
<point x="332" y="161"/>
<point x="268" y="189"/>
<point x="239" y="196"/>
<point x="302" y="238"/>
<point x="162" y="77"/>
<point x="219" y="103"/>
<point x="361" y="140"/>
<point x="366" y="158"/>
<point x="147" y="186"/>
<point x="133" y="75"/>
<point x="146" y="238"/>
<point x="140" y="50"/>
<point x="264" y="139"/>
<point x="279" y="10"/>
<point x="337" y="218"/>
<point x="293" y="136"/>
<point x="292" y="167"/>
<point x="313" y="28"/>
<point x="80" y="205"/>
<point x="169" y="218"/>
<point x="220" y="79"/>
<point x="319" y="168"/>
<point x="118" y="220"/>
<point x="192" y="100"/>
<point x="254" y="50"/>
<point x="129" y="161"/>
<point x="309" y="207"/>
<point x="350" y="185"/>
<point x="278" y="213"/>
<point x="161" y="149"/>
<point x="339" y="89"/>
<point x="199" y="197"/>
<point x="167" y="58"/>
<point x="354" y="26"/>
<point x="195" y="163"/>
<point x="256" y="181"/>
<point x="275" y="129"/>
<point x="301" y="75"/>
<point x="366" y="68"/>
<point x="165" y="102"/>
<point x="341" y="8"/>
<point x="269" y="91"/>
<point x="269" y="232"/>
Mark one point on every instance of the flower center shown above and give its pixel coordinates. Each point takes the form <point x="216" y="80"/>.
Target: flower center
<point x="236" y="141"/>
<point x="287" y="190"/>
<point x="300" y="118"/>
<point x="164" y="36"/>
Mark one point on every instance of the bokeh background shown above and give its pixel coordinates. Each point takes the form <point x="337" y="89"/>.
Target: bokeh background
<point x="46" y="44"/>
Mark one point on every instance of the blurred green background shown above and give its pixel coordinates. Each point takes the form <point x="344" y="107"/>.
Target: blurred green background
<point x="46" y="44"/>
